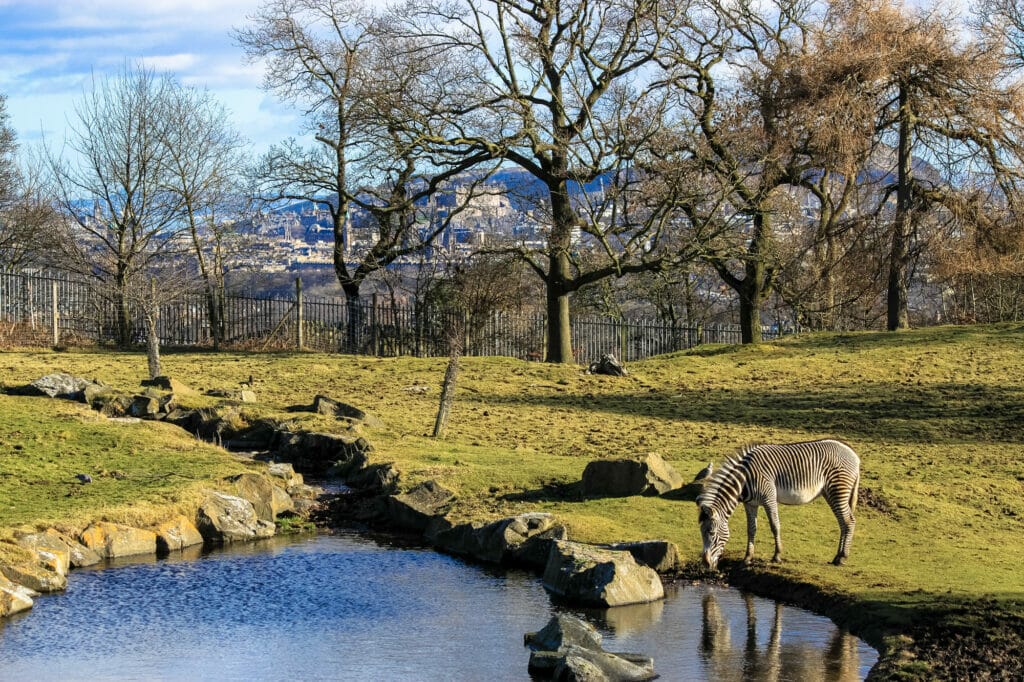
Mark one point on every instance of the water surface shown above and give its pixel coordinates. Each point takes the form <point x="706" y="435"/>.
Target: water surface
<point x="345" y="607"/>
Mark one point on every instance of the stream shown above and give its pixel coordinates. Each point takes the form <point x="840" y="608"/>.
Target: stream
<point x="347" y="607"/>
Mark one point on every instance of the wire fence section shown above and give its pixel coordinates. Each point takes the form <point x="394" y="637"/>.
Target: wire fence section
<point x="50" y="310"/>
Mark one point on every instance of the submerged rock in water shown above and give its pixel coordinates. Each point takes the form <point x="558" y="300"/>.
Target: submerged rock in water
<point x="568" y="648"/>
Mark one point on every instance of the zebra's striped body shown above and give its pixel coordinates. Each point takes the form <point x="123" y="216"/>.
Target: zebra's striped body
<point x="767" y="475"/>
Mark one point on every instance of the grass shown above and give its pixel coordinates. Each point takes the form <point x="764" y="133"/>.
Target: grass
<point x="935" y="415"/>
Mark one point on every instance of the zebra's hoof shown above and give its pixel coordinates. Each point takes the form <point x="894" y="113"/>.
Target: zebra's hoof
<point x="776" y="559"/>
<point x="839" y="561"/>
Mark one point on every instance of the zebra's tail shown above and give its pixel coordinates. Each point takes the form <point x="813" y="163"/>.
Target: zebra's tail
<point x="853" y="493"/>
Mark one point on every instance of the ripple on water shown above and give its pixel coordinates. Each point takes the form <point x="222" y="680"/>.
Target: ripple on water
<point x="343" y="607"/>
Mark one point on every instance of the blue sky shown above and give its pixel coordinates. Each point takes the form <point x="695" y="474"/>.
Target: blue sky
<point x="50" y="49"/>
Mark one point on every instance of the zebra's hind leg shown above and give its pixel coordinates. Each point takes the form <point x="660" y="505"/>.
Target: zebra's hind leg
<point x="751" y="509"/>
<point x="771" y="507"/>
<point x="847" y="523"/>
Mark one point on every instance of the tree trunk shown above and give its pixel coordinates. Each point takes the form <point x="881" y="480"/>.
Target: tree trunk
<point x="897" y="298"/>
<point x="559" y="343"/>
<point x="124" y="319"/>
<point x="152" y="338"/>
<point x="751" y="295"/>
<point x="354" y="323"/>
<point x="451" y="376"/>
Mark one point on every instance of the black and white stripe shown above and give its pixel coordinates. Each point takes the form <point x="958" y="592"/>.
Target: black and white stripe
<point x="769" y="475"/>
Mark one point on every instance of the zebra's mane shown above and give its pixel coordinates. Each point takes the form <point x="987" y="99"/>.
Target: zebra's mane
<point x="727" y="471"/>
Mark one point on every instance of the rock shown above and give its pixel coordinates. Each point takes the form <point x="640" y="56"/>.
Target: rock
<point x="579" y="664"/>
<point x="523" y="540"/>
<point x="58" y="385"/>
<point x="335" y="408"/>
<point x="111" y="404"/>
<point x="247" y="396"/>
<point x="691" y="490"/>
<point x="52" y="551"/>
<point x="94" y="393"/>
<point x="167" y="383"/>
<point x="176" y="534"/>
<point x="569" y="648"/>
<point x="305" y="492"/>
<point x="323" y="453"/>
<point x="414" y="509"/>
<point x="591" y="576"/>
<point x="563" y="630"/>
<point x="14" y="598"/>
<point x="267" y="499"/>
<point x="651" y="475"/>
<point x="608" y="365"/>
<point x="144" y="406"/>
<point x="284" y="472"/>
<point x="225" y="518"/>
<point x="661" y="555"/>
<point x="382" y="478"/>
<point x="36" y="576"/>
<point x="113" y="540"/>
<point x="79" y="554"/>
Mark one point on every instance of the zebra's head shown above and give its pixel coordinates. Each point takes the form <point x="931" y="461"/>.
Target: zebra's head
<point x="714" y="531"/>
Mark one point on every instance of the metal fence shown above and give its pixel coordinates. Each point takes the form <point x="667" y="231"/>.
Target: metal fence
<point x="40" y="310"/>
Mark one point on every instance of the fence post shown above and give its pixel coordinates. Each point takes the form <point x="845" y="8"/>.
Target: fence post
<point x="55" y="318"/>
<point x="299" y="314"/>
<point x="373" y="325"/>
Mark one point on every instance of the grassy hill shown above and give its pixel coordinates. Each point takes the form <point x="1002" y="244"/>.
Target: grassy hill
<point x="936" y="415"/>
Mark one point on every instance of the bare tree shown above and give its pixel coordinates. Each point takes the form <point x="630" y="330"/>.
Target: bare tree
<point x="372" y="99"/>
<point x="746" y="133"/>
<point x="205" y="158"/>
<point x="26" y="213"/>
<point x="560" y="89"/>
<point x="117" y="159"/>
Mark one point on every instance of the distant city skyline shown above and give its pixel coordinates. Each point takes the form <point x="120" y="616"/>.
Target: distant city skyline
<point x="50" y="51"/>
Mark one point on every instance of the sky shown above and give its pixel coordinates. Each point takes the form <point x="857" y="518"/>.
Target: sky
<point x="50" y="50"/>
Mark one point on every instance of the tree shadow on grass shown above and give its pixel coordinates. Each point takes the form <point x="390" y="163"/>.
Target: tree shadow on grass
<point x="927" y="414"/>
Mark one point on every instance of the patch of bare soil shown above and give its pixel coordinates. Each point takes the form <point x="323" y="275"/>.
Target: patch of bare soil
<point x="981" y="641"/>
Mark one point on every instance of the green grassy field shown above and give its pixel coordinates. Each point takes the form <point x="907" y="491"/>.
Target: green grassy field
<point x="936" y="415"/>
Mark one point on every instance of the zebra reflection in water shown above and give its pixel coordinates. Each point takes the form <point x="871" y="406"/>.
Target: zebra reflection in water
<point x="773" y="659"/>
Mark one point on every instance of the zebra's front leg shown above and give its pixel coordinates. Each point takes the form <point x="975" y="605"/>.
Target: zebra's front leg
<point x="771" y="508"/>
<point x="751" y="509"/>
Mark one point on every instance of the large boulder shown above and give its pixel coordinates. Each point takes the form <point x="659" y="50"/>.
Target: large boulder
<point x="650" y="475"/>
<point x="78" y="554"/>
<point x="50" y="550"/>
<point x="379" y="478"/>
<point x="38" y="576"/>
<point x="415" y="509"/>
<point x="14" y="598"/>
<point x="569" y="648"/>
<point x="523" y="540"/>
<point x="57" y="385"/>
<point x="226" y="518"/>
<point x="113" y="540"/>
<point x="591" y="576"/>
<point x="661" y="555"/>
<point x="176" y="534"/>
<point x="323" y="453"/>
<point x="267" y="498"/>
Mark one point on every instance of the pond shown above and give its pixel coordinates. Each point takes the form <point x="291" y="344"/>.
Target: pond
<point x="343" y="606"/>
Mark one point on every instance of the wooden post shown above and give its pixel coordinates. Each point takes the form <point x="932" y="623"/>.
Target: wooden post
<point x="55" y="318"/>
<point x="373" y="325"/>
<point x="300" y="317"/>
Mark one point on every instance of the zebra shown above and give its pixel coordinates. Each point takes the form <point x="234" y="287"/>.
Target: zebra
<point x="765" y="475"/>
